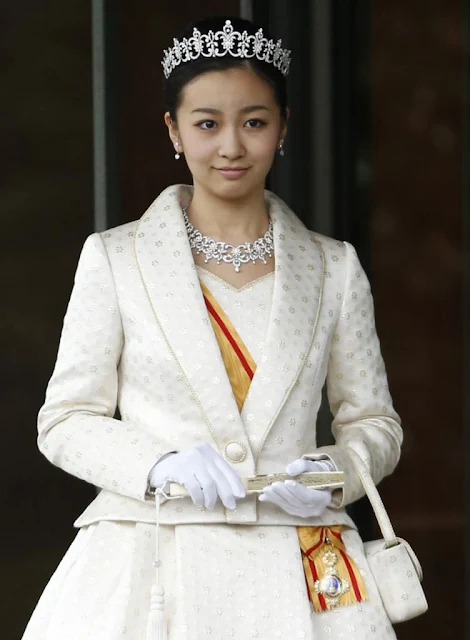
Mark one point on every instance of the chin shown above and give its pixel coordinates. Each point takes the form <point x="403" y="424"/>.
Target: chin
<point x="236" y="189"/>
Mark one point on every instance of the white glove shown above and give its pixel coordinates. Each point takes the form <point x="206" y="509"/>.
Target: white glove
<point x="204" y="473"/>
<point x="293" y="497"/>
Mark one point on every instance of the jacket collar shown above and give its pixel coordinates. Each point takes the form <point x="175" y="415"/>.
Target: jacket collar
<point x="170" y="280"/>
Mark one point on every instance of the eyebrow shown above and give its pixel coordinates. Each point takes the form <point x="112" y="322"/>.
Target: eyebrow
<point x="248" y="109"/>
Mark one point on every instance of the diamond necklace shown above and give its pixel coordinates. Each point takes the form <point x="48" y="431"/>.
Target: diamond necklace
<point x="223" y="252"/>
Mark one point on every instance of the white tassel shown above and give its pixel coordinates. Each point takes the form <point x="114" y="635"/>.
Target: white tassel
<point x="156" y="622"/>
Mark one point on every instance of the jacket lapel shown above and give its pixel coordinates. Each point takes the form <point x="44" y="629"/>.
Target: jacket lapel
<point x="297" y="297"/>
<point x="171" y="284"/>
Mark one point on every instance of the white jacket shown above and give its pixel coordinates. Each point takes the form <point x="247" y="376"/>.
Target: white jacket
<point x="137" y="336"/>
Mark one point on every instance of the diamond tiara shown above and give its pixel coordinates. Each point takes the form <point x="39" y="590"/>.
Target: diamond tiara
<point x="226" y="42"/>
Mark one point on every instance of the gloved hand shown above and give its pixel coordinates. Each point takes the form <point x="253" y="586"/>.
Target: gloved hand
<point x="293" y="497"/>
<point x="204" y="473"/>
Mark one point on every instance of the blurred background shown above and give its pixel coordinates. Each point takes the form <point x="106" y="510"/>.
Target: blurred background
<point x="377" y="154"/>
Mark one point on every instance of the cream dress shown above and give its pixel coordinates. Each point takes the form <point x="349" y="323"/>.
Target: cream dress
<point x="222" y="581"/>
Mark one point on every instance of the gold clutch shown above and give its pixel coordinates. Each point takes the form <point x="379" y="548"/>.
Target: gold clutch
<point x="255" y="484"/>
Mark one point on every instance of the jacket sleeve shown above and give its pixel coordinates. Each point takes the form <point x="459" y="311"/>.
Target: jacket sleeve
<point x="358" y="393"/>
<point x="77" y="430"/>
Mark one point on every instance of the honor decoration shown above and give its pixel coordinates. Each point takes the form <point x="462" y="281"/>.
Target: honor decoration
<point x="226" y="42"/>
<point x="223" y="252"/>
<point x="333" y="578"/>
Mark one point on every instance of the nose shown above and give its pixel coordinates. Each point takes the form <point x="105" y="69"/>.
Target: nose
<point x="231" y="144"/>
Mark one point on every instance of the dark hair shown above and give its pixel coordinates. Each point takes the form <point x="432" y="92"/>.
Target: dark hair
<point x="187" y="71"/>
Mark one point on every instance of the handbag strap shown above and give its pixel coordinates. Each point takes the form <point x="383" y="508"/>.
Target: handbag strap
<point x="375" y="500"/>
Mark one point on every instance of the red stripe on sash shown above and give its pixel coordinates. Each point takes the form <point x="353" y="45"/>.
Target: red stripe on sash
<point x="357" y="591"/>
<point x="315" y="546"/>
<point x="321" y="598"/>
<point x="229" y="337"/>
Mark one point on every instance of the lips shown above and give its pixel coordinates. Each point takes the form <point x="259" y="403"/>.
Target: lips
<point x="232" y="172"/>
<point x="231" y="168"/>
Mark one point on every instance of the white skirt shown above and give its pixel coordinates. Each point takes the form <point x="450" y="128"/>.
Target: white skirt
<point x="221" y="581"/>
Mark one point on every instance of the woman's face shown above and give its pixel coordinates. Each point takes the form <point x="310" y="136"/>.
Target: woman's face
<point x="229" y="128"/>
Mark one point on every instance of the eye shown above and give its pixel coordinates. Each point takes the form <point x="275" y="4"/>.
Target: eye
<point x="254" y="123"/>
<point x="207" y="125"/>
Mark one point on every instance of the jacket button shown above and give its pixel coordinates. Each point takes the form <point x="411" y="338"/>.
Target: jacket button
<point x="235" y="452"/>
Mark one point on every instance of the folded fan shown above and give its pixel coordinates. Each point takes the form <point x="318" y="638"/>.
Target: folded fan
<point x="255" y="484"/>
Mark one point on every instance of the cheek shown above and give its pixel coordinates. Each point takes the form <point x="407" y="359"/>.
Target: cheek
<point x="197" y="146"/>
<point x="265" y="147"/>
<point x="267" y="139"/>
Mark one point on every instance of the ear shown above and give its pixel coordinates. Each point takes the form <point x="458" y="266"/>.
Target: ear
<point x="172" y="131"/>
<point x="283" y="132"/>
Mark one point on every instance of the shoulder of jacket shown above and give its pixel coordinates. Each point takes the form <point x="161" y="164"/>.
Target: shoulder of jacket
<point x="119" y="236"/>
<point x="331" y="246"/>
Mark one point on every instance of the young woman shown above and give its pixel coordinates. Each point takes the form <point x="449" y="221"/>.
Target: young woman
<point x="212" y="323"/>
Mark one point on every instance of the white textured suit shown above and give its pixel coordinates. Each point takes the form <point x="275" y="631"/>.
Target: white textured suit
<point x="137" y="336"/>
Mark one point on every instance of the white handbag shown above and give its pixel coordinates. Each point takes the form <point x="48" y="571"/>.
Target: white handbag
<point x="393" y="563"/>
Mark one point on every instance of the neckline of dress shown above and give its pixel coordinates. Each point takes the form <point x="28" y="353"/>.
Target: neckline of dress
<point x="231" y="286"/>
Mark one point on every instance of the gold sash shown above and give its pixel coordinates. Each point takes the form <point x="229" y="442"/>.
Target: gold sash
<point x="238" y="362"/>
<point x="333" y="578"/>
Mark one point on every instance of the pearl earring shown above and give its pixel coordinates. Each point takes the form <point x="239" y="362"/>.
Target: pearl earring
<point x="177" y="154"/>
<point x="281" y="148"/>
